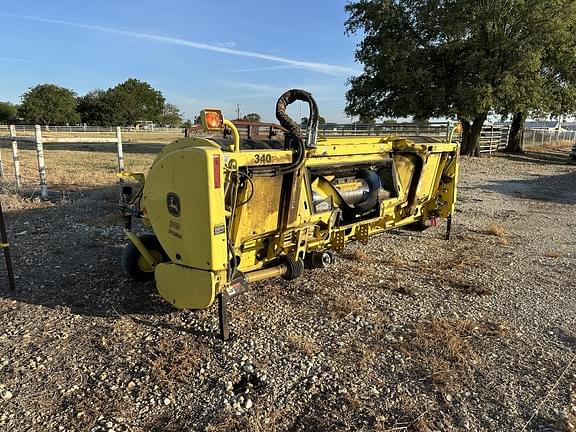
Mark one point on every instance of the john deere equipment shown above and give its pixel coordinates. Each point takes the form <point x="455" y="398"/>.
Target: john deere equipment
<point x="225" y="212"/>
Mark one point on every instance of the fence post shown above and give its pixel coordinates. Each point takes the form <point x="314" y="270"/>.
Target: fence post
<point x="1" y="166"/>
<point x="120" y="151"/>
<point x="41" y="165"/>
<point x="15" y="157"/>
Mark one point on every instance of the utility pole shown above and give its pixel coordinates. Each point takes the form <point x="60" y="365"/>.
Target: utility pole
<point x="238" y="111"/>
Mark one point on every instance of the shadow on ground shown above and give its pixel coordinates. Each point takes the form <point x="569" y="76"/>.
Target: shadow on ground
<point x="549" y="156"/>
<point x="559" y="188"/>
<point x="68" y="255"/>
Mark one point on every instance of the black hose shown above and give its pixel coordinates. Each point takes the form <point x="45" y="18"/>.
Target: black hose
<point x="294" y="133"/>
<point x="290" y="97"/>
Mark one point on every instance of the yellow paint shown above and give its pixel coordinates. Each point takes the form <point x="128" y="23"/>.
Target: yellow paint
<point x="273" y="215"/>
<point x="185" y="287"/>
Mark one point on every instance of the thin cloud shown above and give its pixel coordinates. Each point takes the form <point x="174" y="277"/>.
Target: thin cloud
<point x="328" y="69"/>
<point x="263" y="68"/>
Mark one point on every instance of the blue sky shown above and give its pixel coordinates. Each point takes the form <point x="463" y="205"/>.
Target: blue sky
<point x="212" y="53"/>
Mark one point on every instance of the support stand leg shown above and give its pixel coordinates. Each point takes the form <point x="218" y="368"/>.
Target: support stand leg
<point x="6" y="246"/>
<point x="448" y="227"/>
<point x="223" y="317"/>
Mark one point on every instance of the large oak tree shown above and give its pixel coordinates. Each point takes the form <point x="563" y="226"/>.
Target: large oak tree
<point x="462" y="59"/>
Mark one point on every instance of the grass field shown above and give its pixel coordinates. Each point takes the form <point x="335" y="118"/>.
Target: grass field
<point x="70" y="169"/>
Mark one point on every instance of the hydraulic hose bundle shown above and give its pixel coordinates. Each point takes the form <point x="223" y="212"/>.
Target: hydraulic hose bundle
<point x="294" y="132"/>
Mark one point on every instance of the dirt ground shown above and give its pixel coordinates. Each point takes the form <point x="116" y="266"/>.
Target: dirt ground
<point x="408" y="333"/>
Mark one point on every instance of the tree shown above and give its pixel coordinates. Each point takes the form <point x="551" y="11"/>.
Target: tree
<point x="304" y="122"/>
<point x="366" y="120"/>
<point x="126" y="104"/>
<point x="49" y="104"/>
<point x="94" y="109"/>
<point x="253" y="117"/>
<point x="8" y="112"/>
<point x="460" y="59"/>
<point x="134" y="101"/>
<point x="171" y="116"/>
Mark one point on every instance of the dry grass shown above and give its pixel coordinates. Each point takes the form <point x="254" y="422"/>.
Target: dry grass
<point x="68" y="172"/>
<point x="358" y="255"/>
<point x="258" y="421"/>
<point x="175" y="361"/>
<point x="342" y="307"/>
<point x="496" y="230"/>
<point x="444" y="349"/>
<point x="304" y="344"/>
<point x="553" y="254"/>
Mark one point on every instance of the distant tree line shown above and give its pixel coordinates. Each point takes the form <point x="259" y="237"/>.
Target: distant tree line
<point x="126" y="104"/>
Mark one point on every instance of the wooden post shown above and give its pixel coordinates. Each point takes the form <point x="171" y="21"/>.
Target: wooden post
<point x="15" y="157"/>
<point x="120" y="151"/>
<point x="1" y="166"/>
<point x="41" y="165"/>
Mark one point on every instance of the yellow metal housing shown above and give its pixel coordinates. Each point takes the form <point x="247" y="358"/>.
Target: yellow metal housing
<point x="220" y="211"/>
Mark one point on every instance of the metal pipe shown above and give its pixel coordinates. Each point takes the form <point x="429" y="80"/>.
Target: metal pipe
<point x="267" y="273"/>
<point x="235" y="134"/>
<point x="141" y="248"/>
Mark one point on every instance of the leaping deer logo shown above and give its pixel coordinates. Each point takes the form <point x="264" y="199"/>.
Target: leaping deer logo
<point x="173" y="203"/>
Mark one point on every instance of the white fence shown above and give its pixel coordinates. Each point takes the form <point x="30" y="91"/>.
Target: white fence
<point x="548" y="137"/>
<point x="39" y="141"/>
<point x="93" y="129"/>
<point x="492" y="138"/>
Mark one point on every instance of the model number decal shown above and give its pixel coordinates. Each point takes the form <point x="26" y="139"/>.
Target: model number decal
<point x="262" y="159"/>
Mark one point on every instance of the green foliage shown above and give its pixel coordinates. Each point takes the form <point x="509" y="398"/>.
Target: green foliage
<point x="188" y="124"/>
<point x="304" y="121"/>
<point x="463" y="58"/>
<point x="366" y="120"/>
<point x="254" y="117"/>
<point x="135" y="101"/>
<point x="8" y="112"/>
<point x="94" y="108"/>
<point x="49" y="104"/>
<point x="125" y="105"/>
<point x="171" y="116"/>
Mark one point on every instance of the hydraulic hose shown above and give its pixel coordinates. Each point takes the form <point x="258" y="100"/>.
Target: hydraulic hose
<point x="294" y="133"/>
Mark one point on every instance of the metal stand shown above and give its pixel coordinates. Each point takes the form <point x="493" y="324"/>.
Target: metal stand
<point x="223" y="317"/>
<point x="448" y="227"/>
<point x="6" y="247"/>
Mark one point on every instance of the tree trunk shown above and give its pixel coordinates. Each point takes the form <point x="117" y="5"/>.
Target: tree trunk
<point x="516" y="137"/>
<point x="466" y="127"/>
<point x="471" y="135"/>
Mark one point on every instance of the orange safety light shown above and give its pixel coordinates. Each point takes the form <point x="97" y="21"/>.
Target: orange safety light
<point x="212" y="119"/>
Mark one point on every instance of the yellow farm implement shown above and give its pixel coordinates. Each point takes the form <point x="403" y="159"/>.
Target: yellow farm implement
<point x="227" y="212"/>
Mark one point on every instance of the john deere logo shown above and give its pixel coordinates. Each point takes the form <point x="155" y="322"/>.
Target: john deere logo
<point x="173" y="202"/>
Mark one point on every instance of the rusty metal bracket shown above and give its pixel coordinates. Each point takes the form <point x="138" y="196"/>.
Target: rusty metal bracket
<point x="337" y="241"/>
<point x="362" y="233"/>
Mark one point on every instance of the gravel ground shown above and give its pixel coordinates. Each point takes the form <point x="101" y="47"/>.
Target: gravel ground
<point x="410" y="332"/>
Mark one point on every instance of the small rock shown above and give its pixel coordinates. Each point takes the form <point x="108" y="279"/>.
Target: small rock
<point x="7" y="395"/>
<point x="248" y="404"/>
<point x="167" y="401"/>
